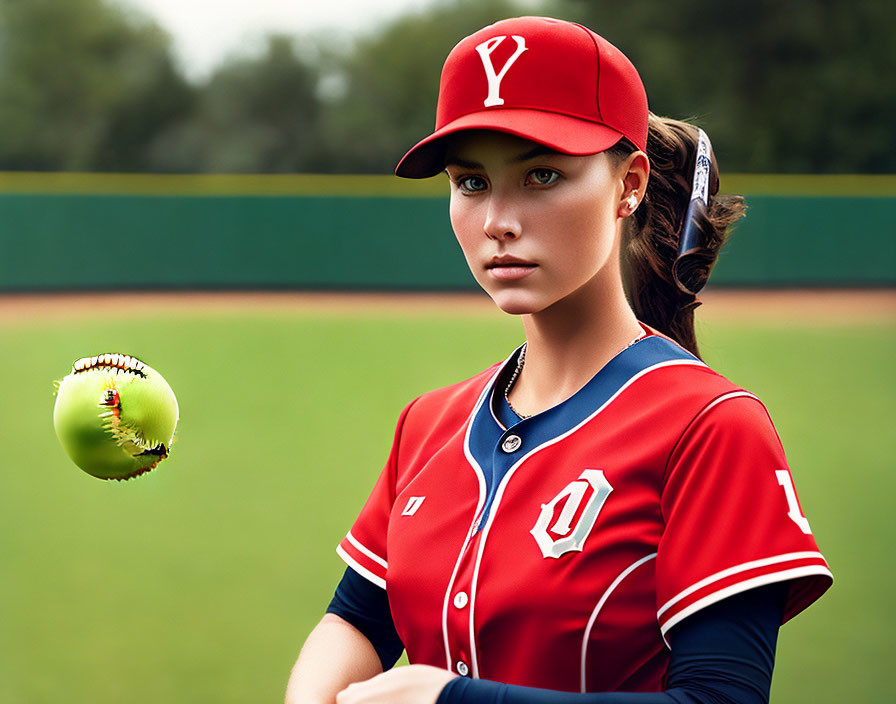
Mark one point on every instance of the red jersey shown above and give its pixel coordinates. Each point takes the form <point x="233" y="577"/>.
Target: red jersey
<point x="558" y="552"/>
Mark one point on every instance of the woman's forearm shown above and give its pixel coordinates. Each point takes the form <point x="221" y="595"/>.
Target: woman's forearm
<point x="334" y="655"/>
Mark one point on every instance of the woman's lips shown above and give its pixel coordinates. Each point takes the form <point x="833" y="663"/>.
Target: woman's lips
<point x="507" y="268"/>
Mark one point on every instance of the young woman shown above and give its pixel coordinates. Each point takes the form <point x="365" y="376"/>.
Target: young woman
<point x="600" y="517"/>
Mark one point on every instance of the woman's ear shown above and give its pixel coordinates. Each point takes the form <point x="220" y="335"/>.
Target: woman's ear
<point x="635" y="171"/>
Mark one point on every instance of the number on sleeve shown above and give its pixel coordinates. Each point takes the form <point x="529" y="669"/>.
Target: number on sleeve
<point x="794" y="513"/>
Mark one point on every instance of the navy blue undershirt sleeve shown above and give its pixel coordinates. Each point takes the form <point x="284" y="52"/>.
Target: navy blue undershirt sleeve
<point x="366" y="606"/>
<point x="723" y="654"/>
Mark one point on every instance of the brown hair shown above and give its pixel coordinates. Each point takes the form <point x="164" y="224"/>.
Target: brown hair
<point x="661" y="285"/>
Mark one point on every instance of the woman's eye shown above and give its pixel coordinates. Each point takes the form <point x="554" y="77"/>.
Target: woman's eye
<point x="543" y="177"/>
<point x="472" y="184"/>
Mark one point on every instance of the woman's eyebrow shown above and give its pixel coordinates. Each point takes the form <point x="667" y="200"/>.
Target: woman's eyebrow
<point x="539" y="150"/>
<point x="462" y="163"/>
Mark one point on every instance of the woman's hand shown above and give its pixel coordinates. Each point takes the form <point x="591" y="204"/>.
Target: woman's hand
<point x="414" y="684"/>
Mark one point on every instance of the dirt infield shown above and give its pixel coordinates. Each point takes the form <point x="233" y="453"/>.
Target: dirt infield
<point x="811" y="306"/>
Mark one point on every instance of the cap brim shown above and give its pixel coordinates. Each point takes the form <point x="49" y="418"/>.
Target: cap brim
<point x="569" y="135"/>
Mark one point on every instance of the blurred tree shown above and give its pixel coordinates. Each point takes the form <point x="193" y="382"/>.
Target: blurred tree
<point x="388" y="82"/>
<point x="83" y="86"/>
<point x="255" y="114"/>
<point x="780" y="85"/>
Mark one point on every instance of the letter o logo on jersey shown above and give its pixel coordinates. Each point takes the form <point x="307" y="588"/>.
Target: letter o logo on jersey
<point x="593" y="488"/>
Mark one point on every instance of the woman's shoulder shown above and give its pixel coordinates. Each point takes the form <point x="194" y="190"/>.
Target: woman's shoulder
<point x="666" y="376"/>
<point x="461" y="395"/>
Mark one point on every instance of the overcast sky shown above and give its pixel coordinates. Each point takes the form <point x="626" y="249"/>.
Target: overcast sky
<point x="205" y="31"/>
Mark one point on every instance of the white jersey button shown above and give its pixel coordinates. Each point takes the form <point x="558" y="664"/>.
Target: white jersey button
<point x="511" y="443"/>
<point x="460" y="600"/>
<point x="462" y="668"/>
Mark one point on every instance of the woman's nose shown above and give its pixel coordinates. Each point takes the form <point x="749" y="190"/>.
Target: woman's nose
<point x="501" y="221"/>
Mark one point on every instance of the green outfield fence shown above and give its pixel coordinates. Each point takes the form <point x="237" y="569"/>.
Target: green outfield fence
<point x="65" y="231"/>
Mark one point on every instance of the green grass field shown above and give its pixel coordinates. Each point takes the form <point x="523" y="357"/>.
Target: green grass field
<point x="197" y="583"/>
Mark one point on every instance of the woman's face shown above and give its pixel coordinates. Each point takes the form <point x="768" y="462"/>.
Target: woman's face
<point x="535" y="225"/>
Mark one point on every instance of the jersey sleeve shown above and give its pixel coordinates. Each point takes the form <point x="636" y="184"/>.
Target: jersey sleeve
<point x="732" y="518"/>
<point x="364" y="547"/>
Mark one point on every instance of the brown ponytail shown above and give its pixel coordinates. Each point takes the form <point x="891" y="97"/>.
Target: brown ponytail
<point x="662" y="286"/>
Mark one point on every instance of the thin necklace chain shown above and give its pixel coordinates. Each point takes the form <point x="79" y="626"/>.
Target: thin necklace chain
<point x="519" y="367"/>
<point x="516" y="373"/>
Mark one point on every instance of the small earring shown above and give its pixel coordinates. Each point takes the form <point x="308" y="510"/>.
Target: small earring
<point x="632" y="201"/>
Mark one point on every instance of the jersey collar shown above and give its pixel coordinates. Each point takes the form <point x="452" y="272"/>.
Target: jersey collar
<point x="488" y="440"/>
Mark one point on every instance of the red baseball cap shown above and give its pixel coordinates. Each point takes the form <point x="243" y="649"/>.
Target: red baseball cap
<point x="551" y="81"/>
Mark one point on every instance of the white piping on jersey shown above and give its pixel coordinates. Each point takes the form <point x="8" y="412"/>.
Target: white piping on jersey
<point x="493" y="511"/>
<point x="746" y="585"/>
<point x="725" y="397"/>
<point x="787" y="557"/>
<point x="363" y="571"/>
<point x="600" y="604"/>
<point x="491" y="408"/>
<point x="364" y="551"/>
<point x="491" y="395"/>
<point x="480" y="477"/>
